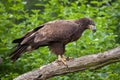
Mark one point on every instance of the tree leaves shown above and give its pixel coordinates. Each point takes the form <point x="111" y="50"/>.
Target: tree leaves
<point x="19" y="16"/>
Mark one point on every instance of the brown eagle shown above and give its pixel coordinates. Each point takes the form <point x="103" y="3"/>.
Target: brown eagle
<point x="54" y="34"/>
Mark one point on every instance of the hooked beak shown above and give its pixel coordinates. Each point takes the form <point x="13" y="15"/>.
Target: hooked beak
<point x="92" y="27"/>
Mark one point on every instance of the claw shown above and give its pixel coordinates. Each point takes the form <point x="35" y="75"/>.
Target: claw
<point x="62" y="58"/>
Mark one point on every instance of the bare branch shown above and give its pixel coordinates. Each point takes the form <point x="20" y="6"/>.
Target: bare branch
<point x="90" y="62"/>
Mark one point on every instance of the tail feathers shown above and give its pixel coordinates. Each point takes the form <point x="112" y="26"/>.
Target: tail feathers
<point x="17" y="52"/>
<point x="18" y="40"/>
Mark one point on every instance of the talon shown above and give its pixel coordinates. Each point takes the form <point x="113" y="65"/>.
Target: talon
<point x="62" y="59"/>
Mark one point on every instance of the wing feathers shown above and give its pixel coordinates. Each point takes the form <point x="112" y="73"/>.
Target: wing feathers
<point x="29" y="33"/>
<point x="56" y="31"/>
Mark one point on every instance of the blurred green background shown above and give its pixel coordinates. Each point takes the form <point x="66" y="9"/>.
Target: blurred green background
<point x="19" y="16"/>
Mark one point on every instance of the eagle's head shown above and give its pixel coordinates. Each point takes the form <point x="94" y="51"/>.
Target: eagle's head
<point x="88" y="23"/>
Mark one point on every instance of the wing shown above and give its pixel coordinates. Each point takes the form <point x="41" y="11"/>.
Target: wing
<point x="52" y="31"/>
<point x="56" y="31"/>
<point x="19" y="40"/>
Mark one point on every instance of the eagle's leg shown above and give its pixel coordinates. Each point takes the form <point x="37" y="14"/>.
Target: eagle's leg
<point x="62" y="58"/>
<point x="59" y="49"/>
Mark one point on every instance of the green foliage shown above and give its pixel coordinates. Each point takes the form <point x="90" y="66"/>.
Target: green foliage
<point x="19" y="16"/>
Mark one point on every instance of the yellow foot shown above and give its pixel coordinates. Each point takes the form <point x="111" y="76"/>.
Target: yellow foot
<point x="62" y="59"/>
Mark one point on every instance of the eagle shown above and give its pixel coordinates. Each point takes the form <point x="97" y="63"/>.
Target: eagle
<point x="54" y="34"/>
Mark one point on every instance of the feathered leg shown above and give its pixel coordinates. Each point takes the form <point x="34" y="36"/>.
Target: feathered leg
<point x="59" y="49"/>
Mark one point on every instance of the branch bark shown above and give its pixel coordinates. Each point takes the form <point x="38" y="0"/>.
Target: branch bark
<point x="90" y="62"/>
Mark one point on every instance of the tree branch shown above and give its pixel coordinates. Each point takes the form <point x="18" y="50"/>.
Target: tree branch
<point x="90" y="62"/>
